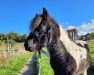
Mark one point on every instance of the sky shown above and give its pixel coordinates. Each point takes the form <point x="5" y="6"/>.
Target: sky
<point x="15" y="15"/>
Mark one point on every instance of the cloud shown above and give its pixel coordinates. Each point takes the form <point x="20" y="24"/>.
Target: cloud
<point x="71" y="27"/>
<point x="84" y="28"/>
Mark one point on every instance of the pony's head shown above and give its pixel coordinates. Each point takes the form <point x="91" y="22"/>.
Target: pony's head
<point x="42" y="29"/>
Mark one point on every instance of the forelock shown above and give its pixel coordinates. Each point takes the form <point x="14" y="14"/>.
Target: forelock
<point x="35" y="22"/>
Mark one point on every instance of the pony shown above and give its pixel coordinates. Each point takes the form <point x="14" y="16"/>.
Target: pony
<point x="66" y="57"/>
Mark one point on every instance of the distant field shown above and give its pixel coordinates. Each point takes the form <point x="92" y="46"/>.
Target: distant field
<point x="91" y="45"/>
<point x="91" y="69"/>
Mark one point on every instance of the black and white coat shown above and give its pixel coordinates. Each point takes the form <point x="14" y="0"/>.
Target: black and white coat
<point x="68" y="58"/>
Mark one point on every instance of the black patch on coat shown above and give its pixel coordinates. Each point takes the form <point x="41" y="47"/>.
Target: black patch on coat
<point x="87" y="47"/>
<point x="61" y="61"/>
<point x="79" y="44"/>
<point x="80" y="56"/>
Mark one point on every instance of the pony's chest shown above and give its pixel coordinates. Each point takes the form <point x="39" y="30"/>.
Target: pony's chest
<point x="63" y="62"/>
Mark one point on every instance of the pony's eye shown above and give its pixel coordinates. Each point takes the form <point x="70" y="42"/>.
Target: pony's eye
<point x="45" y="18"/>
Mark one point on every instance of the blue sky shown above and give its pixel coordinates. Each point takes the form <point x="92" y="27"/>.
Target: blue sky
<point x="15" y="15"/>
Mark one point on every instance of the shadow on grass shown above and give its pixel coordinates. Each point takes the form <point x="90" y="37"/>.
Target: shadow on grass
<point x="91" y="69"/>
<point x="90" y="72"/>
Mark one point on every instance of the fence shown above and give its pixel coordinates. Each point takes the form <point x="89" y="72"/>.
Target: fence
<point x="8" y="52"/>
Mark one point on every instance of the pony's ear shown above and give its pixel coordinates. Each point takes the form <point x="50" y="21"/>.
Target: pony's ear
<point x="45" y="13"/>
<point x="36" y="14"/>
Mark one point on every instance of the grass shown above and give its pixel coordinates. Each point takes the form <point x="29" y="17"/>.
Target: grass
<point x="14" y="66"/>
<point x="13" y="53"/>
<point x="91" y="69"/>
<point x="91" y="45"/>
<point x="45" y="65"/>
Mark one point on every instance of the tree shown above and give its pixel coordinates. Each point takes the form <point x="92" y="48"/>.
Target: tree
<point x="15" y="36"/>
<point x="1" y="36"/>
<point x="24" y="37"/>
<point x="72" y="33"/>
<point x="89" y="36"/>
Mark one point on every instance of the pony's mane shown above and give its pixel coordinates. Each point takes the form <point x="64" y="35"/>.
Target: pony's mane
<point x="35" y="22"/>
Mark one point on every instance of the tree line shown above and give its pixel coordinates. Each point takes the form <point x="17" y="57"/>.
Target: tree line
<point x="88" y="36"/>
<point x="14" y="36"/>
<point x="73" y="35"/>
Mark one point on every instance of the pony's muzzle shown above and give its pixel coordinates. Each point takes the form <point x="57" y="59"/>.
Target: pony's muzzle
<point x="29" y="46"/>
<point x="31" y="49"/>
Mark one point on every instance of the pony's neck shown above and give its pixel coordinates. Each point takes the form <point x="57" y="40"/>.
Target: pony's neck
<point x="64" y="37"/>
<point x="56" y="48"/>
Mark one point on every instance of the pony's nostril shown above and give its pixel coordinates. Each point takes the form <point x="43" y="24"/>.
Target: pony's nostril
<point x="31" y="48"/>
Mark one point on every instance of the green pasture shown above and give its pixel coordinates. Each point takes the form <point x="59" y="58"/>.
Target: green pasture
<point x="91" y="46"/>
<point x="45" y="66"/>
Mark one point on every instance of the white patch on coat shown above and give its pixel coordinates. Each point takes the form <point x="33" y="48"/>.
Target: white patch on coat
<point x="85" y="73"/>
<point x="78" y="53"/>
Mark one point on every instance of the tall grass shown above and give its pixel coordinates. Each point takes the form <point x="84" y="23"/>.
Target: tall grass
<point x="12" y="60"/>
<point x="14" y="66"/>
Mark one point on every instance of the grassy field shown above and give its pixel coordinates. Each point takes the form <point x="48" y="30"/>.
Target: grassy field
<point x="13" y="60"/>
<point x="45" y="66"/>
<point x="91" y="45"/>
<point x="13" y="53"/>
<point x="14" y="66"/>
<point x="91" y="69"/>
